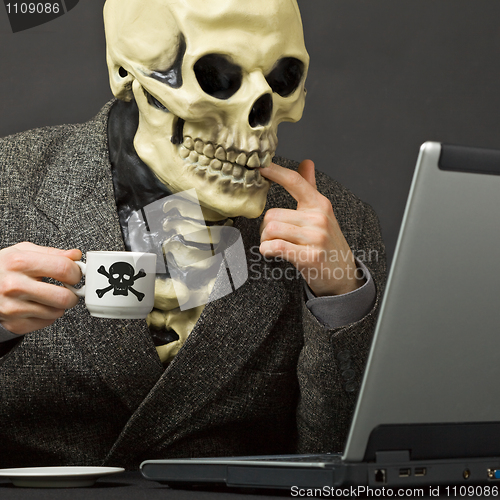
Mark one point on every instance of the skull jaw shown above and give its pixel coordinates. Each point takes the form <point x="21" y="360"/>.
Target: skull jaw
<point x="220" y="195"/>
<point x="222" y="198"/>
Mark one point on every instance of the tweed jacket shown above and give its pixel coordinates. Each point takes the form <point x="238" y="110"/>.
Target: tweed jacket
<point x="258" y="374"/>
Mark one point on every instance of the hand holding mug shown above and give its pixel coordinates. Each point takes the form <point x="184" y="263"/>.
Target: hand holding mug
<point x="26" y="302"/>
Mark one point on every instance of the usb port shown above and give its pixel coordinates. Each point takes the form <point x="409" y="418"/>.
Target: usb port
<point x="494" y="473"/>
<point x="405" y="472"/>
<point x="420" y="471"/>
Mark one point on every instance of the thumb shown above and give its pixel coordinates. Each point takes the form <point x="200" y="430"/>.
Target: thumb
<point x="73" y="254"/>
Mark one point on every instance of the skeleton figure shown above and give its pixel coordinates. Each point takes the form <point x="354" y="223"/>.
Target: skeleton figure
<point x="121" y="279"/>
<point x="212" y="81"/>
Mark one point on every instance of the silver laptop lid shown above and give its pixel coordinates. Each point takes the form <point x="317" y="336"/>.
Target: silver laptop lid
<point x="435" y="354"/>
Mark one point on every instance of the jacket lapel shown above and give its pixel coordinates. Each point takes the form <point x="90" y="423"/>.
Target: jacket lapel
<point x="77" y="196"/>
<point x="76" y="193"/>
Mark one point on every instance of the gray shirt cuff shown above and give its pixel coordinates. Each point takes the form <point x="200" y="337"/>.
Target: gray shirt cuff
<point x="336" y="311"/>
<point x="6" y="335"/>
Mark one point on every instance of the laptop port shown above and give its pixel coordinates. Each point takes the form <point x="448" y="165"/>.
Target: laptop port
<point x="380" y="476"/>
<point x="405" y="472"/>
<point x="493" y="473"/>
<point x="420" y="471"/>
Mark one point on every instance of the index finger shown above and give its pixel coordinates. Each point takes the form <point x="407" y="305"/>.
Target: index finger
<point x="73" y="253"/>
<point x="303" y="191"/>
<point x="46" y="264"/>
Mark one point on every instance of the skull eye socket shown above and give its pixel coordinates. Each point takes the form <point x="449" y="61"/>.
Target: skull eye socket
<point x="286" y="76"/>
<point x="173" y="76"/>
<point x="217" y="76"/>
<point x="115" y="276"/>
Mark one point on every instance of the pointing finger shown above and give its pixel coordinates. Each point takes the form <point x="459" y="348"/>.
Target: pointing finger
<point x="306" y="170"/>
<point x="300" y="188"/>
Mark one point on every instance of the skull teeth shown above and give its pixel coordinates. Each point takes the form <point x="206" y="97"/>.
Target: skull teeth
<point x="184" y="152"/>
<point x="209" y="150"/>
<point x="226" y="173"/>
<point x="199" y="146"/>
<point x="220" y="154"/>
<point x="228" y="168"/>
<point x="188" y="143"/>
<point x="251" y="176"/>
<point x="238" y="172"/>
<point x="242" y="159"/>
<point x="254" y="161"/>
<point x="216" y="164"/>
<point x="204" y="161"/>
<point x="204" y="153"/>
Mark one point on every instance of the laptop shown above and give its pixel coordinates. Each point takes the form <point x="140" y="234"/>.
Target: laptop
<point x="428" y="412"/>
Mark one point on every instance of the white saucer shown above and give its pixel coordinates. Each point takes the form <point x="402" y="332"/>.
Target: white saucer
<point x="57" y="477"/>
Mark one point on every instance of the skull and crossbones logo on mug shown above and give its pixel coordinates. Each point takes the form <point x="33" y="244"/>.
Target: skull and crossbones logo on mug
<point x="121" y="277"/>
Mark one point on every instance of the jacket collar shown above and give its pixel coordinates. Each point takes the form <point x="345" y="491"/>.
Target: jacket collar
<point x="76" y="193"/>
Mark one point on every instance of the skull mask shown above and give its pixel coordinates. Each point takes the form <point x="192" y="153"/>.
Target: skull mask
<point x="212" y="81"/>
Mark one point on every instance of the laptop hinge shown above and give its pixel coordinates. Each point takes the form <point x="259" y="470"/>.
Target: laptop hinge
<point x="392" y="456"/>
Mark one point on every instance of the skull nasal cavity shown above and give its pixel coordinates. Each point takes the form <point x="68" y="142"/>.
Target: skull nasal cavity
<point x="261" y="111"/>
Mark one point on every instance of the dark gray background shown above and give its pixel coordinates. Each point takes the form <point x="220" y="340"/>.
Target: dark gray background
<point x="386" y="75"/>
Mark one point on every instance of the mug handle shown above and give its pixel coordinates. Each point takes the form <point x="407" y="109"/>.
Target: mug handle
<point x="80" y="292"/>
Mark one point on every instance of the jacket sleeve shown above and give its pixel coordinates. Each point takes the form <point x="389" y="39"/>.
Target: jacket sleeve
<point x="332" y="361"/>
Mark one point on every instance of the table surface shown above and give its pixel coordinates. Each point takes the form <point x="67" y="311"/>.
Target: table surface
<point x="131" y="485"/>
<point x="124" y="486"/>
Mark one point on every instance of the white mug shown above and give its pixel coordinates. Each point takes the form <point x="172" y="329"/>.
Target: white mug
<point x="118" y="285"/>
